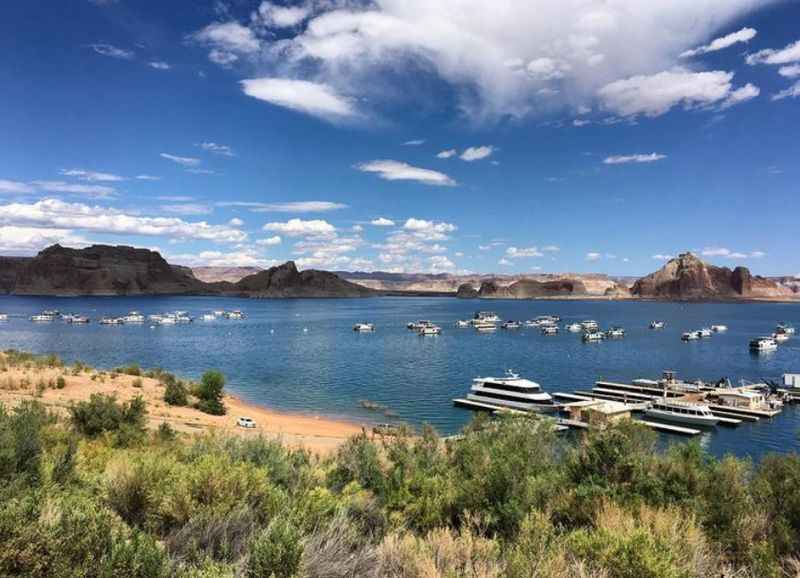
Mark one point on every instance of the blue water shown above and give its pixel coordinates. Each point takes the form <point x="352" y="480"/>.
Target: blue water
<point x="302" y="355"/>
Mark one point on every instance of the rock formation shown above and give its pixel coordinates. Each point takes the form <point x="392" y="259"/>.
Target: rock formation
<point x="286" y="281"/>
<point x="524" y="289"/>
<point x="229" y="274"/>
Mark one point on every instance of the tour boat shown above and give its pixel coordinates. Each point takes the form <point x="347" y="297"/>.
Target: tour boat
<point x="780" y="337"/>
<point x="488" y="316"/>
<point x="593" y="336"/>
<point x="589" y="325"/>
<point x="690" y="336"/>
<point x="666" y="409"/>
<point x="510" y="391"/>
<point x="167" y="320"/>
<point x="763" y="344"/>
<point x="512" y="325"/>
<point x="550" y="330"/>
<point x="363" y="327"/>
<point x="42" y="318"/>
<point x="719" y="328"/>
<point x="657" y="325"/>
<point x="575" y="327"/>
<point x="52" y="313"/>
<point x="430" y="330"/>
<point x="615" y="332"/>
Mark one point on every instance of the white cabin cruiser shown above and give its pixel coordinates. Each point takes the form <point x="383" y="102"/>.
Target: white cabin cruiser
<point x="430" y="330"/>
<point x="550" y="330"/>
<point x="488" y="316"/>
<point x="763" y="344"/>
<point x="463" y="323"/>
<point x="133" y="317"/>
<point x="111" y="321"/>
<point x="575" y="327"/>
<point x="719" y="328"/>
<point x="235" y="314"/>
<point x="208" y="317"/>
<point x="42" y="318"/>
<point x="705" y="332"/>
<point x="511" y="391"/>
<point x="364" y="327"/>
<point x="484" y="327"/>
<point x="593" y="336"/>
<point x="690" y="336"/>
<point x="780" y="337"/>
<point x="3" y="316"/>
<point x="417" y="325"/>
<point x="77" y="319"/>
<point x="512" y="325"/>
<point x="615" y="332"/>
<point x="589" y="325"/>
<point x="665" y="409"/>
<point x="657" y="325"/>
<point x="784" y="328"/>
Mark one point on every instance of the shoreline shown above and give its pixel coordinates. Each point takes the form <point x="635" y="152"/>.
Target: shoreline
<point x="317" y="433"/>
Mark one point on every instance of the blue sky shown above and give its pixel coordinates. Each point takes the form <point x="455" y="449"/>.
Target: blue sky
<point x="405" y="135"/>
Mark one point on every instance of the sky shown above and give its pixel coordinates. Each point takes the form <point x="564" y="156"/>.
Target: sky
<point x="441" y="136"/>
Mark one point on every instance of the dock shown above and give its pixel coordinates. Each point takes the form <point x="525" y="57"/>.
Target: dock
<point x="744" y="411"/>
<point x="676" y="429"/>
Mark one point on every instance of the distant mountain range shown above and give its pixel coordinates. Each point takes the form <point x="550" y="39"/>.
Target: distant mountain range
<point x="121" y="270"/>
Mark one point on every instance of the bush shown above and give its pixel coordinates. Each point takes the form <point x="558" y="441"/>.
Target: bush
<point x="276" y="551"/>
<point x="131" y="369"/>
<point x="209" y="393"/>
<point x="21" y="440"/>
<point x="60" y="382"/>
<point x="103" y="414"/>
<point x="175" y="393"/>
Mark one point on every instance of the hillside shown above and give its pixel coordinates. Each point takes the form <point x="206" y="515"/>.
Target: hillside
<point x="286" y="281"/>
<point x="229" y="274"/>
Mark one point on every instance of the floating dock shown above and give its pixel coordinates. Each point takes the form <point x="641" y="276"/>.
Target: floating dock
<point x="669" y="428"/>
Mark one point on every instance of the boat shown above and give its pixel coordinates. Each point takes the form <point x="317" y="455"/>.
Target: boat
<point x="208" y="317"/>
<point x="488" y="316"/>
<point x="784" y="328"/>
<point x="575" y="327"/>
<point x="593" y="336"/>
<point x="417" y="325"/>
<point x="589" y="325"/>
<point x="364" y="327"/>
<point x="484" y="327"/>
<point x="111" y="321"/>
<point x="134" y="317"/>
<point x="430" y="330"/>
<point x="531" y="323"/>
<point x="42" y="318"/>
<point x="690" y="336"/>
<point x="763" y="344"/>
<point x="219" y="313"/>
<point x="615" y="332"/>
<point x="657" y="325"/>
<point x="705" y="332"/>
<point x="77" y="319"/>
<point x="510" y="391"/>
<point x="512" y="325"/>
<point x="550" y="330"/>
<point x="666" y="409"/>
<point x="52" y="313"/>
<point x="780" y="337"/>
<point x="719" y="328"/>
<point x="3" y="316"/>
<point x="235" y="314"/>
<point x="463" y="323"/>
<point x="167" y="320"/>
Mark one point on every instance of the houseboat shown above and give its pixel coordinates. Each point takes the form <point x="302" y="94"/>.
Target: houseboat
<point x="487" y="316"/>
<point x="763" y="344"/>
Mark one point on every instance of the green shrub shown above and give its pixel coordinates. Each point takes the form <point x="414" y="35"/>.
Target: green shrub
<point x="103" y="414"/>
<point x="21" y="440"/>
<point x="175" y="393"/>
<point x="209" y="393"/>
<point x="61" y="383"/>
<point x="131" y="369"/>
<point x="276" y="551"/>
<point x="165" y="433"/>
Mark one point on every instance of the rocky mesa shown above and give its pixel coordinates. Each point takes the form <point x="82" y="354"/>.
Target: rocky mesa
<point x="286" y="281"/>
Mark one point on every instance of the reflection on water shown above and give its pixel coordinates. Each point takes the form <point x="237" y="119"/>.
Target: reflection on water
<point x="303" y="355"/>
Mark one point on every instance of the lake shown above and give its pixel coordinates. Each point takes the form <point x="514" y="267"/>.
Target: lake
<point x="302" y="355"/>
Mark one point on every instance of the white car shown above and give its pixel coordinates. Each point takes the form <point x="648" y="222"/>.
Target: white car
<point x="246" y="422"/>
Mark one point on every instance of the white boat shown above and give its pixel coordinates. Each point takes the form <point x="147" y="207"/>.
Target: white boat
<point x="510" y="391"/>
<point x="488" y="316"/>
<point x="512" y="325"/>
<point x="3" y="316"/>
<point x="657" y="325"/>
<point x="681" y="412"/>
<point x="763" y="344"/>
<point x="593" y="336"/>
<point x="218" y="313"/>
<point x="52" y="313"/>
<point x="77" y="319"/>
<point x="364" y="327"/>
<point x="133" y="317"/>
<point x="550" y="330"/>
<point x="705" y="332"/>
<point x="42" y="318"/>
<point x="463" y="323"/>
<point x="419" y="324"/>
<point x="167" y="320"/>
<point x="208" y="317"/>
<point x="484" y="327"/>
<point x="780" y="337"/>
<point x="690" y="336"/>
<point x="430" y="330"/>
<point x="235" y="314"/>
<point x="719" y="328"/>
<point x="784" y="328"/>
<point x="111" y="321"/>
<point x="575" y="327"/>
<point x="589" y="325"/>
<point x="615" y="332"/>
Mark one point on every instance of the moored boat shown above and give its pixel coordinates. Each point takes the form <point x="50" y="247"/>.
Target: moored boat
<point x="690" y="336"/>
<point x="657" y="325"/>
<point x="763" y="344"/>
<point x="364" y="327"/>
<point x="430" y="330"/>
<point x="510" y="391"/>
<point x="687" y="412"/>
<point x="719" y="328"/>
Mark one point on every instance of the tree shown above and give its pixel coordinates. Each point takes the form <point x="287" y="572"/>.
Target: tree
<point x="209" y="392"/>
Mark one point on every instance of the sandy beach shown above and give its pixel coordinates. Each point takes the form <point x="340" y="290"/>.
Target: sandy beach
<point x="20" y="382"/>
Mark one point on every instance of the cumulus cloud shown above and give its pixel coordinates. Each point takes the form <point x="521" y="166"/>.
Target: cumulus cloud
<point x="91" y="176"/>
<point x="515" y="252"/>
<point x="743" y="94"/>
<point x="662" y="257"/>
<point x="791" y="92"/>
<point x="242" y="256"/>
<point x="728" y="254"/>
<point x="301" y="228"/>
<point x="236" y="222"/>
<point x="57" y="214"/>
<point x="382" y="222"/>
<point x="185" y="161"/>
<point x="270" y="241"/>
<point x="290" y="207"/>
<point x="390" y="170"/>
<point x="113" y="51"/>
<point x="312" y="98"/>
<point x="743" y="35"/>
<point x="791" y="71"/>
<point x="655" y="94"/>
<point x="273" y="15"/>
<point x="637" y="158"/>
<point x="786" y="55"/>
<point x="28" y="240"/>
<point x="217" y="149"/>
<point x="593" y="256"/>
<point x="429" y="230"/>
<point x="147" y="178"/>
<point x="229" y="36"/>
<point x="476" y="153"/>
<point x="504" y="262"/>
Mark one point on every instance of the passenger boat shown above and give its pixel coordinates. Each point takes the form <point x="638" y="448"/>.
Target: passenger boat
<point x="615" y="332"/>
<point x="235" y="314"/>
<point x="763" y="344"/>
<point x="589" y="325"/>
<point x="512" y="325"/>
<point x="167" y="320"/>
<point x="690" y="336"/>
<point x="208" y="317"/>
<point x="487" y="316"/>
<point x="719" y="328"/>
<point x="692" y="413"/>
<point x="593" y="336"/>
<point x="550" y="330"/>
<point x="3" y="316"/>
<point x="511" y="391"/>
<point x="363" y="327"/>
<point x="42" y="318"/>
<point x="430" y="330"/>
<point x="52" y="313"/>
<point x="575" y="327"/>
<point x="657" y="325"/>
<point x="77" y="319"/>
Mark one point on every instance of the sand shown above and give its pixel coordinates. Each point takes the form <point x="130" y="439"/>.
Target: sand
<point x="319" y="434"/>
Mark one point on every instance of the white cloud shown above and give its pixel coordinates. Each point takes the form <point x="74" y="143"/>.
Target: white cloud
<point x="113" y="51"/>
<point x="301" y="228"/>
<point x="289" y="207"/>
<point x="414" y="143"/>
<point x="175" y="198"/>
<point x="216" y="148"/>
<point x="476" y="153"/>
<point x="270" y="241"/>
<point x="743" y="94"/>
<point x="660" y="257"/>
<point x="14" y="187"/>
<point x="382" y="222"/>
<point x="28" y="240"/>
<point x="429" y="230"/>
<point x="440" y="264"/>
<point x="242" y="257"/>
<point x="274" y="16"/>
<point x="201" y="171"/>
<point x="743" y="35"/>
<point x="593" y="256"/>
<point x="728" y="254"/>
<point x="791" y="92"/>
<point x="786" y="55"/>
<point x="312" y="98"/>
<point x="57" y="214"/>
<point x="791" y="71"/>
<point x="637" y="158"/>
<point x="230" y="37"/>
<point x="396" y="171"/>
<point x="188" y="209"/>
<point x="551" y="249"/>
<point x="357" y="228"/>
<point x="655" y="94"/>
<point x="91" y="176"/>
<point x="222" y="57"/>
<point x="148" y="178"/>
<point x="504" y="262"/>
<point x="159" y="65"/>
<point x="185" y="161"/>
<point x="446" y="154"/>
<point x="235" y="222"/>
<point x="100" y="191"/>
<point x="579" y="122"/>
<point x="515" y="252"/>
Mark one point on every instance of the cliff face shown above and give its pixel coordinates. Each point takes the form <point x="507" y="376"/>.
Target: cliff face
<point x="688" y="278"/>
<point x="96" y="270"/>
<point x="286" y="281"/>
<point x="524" y="289"/>
<point x="229" y="274"/>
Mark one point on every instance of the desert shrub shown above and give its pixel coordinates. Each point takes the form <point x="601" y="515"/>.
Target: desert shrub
<point x="103" y="414"/>
<point x="774" y="481"/>
<point x="60" y="382"/>
<point x="137" y="383"/>
<point x="165" y="432"/>
<point x="357" y="461"/>
<point x="275" y="551"/>
<point x="130" y="369"/>
<point x="175" y="393"/>
<point x="213" y="536"/>
<point x="337" y="549"/>
<point x="209" y="393"/>
<point x="21" y="440"/>
<point x="64" y="457"/>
